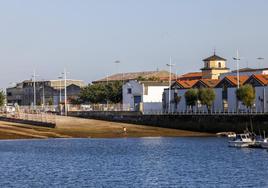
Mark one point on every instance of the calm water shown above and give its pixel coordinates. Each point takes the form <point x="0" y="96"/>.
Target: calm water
<point x="141" y="162"/>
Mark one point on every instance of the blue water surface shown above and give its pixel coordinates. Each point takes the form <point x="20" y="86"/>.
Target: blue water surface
<point x="131" y="162"/>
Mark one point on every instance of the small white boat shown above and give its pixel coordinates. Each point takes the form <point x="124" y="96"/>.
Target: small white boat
<point x="264" y="143"/>
<point x="242" y="140"/>
<point x="226" y="134"/>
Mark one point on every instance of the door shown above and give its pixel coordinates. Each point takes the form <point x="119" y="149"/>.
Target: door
<point x="137" y="101"/>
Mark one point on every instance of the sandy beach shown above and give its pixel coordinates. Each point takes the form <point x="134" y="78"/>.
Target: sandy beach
<point x="69" y="127"/>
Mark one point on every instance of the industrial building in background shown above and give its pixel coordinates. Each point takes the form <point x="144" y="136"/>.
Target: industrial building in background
<point x="47" y="92"/>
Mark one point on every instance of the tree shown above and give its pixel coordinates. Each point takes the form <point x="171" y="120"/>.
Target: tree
<point x="206" y="97"/>
<point x="94" y="93"/>
<point x="177" y="100"/>
<point x="2" y="98"/>
<point x="114" y="92"/>
<point x="191" y="97"/>
<point x="246" y="94"/>
<point x="101" y="93"/>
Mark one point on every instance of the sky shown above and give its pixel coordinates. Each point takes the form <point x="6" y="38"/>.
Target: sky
<point x="87" y="36"/>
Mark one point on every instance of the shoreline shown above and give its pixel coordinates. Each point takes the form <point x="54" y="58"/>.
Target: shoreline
<point x="70" y="127"/>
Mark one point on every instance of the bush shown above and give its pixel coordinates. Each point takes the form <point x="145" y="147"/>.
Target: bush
<point x="206" y="97"/>
<point x="191" y="97"/>
<point x="246" y="94"/>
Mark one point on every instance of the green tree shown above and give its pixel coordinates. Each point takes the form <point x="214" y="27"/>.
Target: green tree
<point x="50" y="101"/>
<point x="246" y="94"/>
<point x="114" y="92"/>
<point x="191" y="97"/>
<point x="206" y="97"/>
<point x="2" y="98"/>
<point x="101" y="93"/>
<point x="94" y="93"/>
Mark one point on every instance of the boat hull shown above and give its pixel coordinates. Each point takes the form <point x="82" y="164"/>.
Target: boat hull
<point x="264" y="145"/>
<point x="237" y="144"/>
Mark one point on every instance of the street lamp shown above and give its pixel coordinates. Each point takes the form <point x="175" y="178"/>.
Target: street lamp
<point x="60" y="78"/>
<point x="169" y="90"/>
<point x="260" y="59"/>
<point x="118" y="62"/>
<point x="237" y="59"/>
<point x="65" y="91"/>
<point x="34" y="88"/>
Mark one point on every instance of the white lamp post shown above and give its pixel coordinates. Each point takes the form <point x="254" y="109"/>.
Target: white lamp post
<point x="34" y="88"/>
<point x="60" y="78"/>
<point x="237" y="59"/>
<point x="169" y="90"/>
<point x="65" y="91"/>
<point x="260" y="59"/>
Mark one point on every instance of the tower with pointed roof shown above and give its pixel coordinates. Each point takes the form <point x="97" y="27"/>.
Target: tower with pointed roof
<point x="213" y="67"/>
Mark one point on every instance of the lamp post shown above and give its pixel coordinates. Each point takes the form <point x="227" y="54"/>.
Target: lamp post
<point x="117" y="62"/>
<point x="169" y="90"/>
<point x="34" y="89"/>
<point x="260" y="59"/>
<point x="43" y="93"/>
<point x="60" y="78"/>
<point x="237" y="59"/>
<point x="65" y="91"/>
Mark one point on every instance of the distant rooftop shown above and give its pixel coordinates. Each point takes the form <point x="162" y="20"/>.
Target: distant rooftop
<point x="191" y="76"/>
<point x="250" y="70"/>
<point x="146" y="75"/>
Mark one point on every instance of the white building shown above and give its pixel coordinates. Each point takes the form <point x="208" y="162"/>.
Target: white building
<point x="225" y="90"/>
<point x="145" y="96"/>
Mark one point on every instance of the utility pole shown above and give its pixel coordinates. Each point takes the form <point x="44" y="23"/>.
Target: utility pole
<point x="169" y="90"/>
<point x="43" y="93"/>
<point x="65" y="92"/>
<point x="260" y="59"/>
<point x="237" y="59"/>
<point x="34" y="89"/>
<point x="60" y="77"/>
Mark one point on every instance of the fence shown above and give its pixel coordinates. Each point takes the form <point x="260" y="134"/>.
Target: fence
<point x="204" y="112"/>
<point x="99" y="107"/>
<point x="38" y="117"/>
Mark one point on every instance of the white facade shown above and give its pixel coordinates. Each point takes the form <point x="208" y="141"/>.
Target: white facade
<point x="143" y="96"/>
<point x="260" y="104"/>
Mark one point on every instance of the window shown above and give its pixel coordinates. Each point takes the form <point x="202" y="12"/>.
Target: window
<point x="219" y="64"/>
<point x="129" y="91"/>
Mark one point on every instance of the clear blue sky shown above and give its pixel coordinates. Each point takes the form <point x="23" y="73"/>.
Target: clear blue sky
<point x="87" y="36"/>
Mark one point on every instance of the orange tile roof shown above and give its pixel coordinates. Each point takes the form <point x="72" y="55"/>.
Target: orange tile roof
<point x="210" y="82"/>
<point x="233" y="79"/>
<point x="263" y="78"/>
<point x="186" y="83"/>
<point x="191" y="76"/>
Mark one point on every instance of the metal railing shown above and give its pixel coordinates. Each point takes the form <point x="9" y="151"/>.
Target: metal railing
<point x="100" y="107"/>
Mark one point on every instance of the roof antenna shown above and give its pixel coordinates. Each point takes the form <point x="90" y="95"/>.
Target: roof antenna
<point x="214" y="51"/>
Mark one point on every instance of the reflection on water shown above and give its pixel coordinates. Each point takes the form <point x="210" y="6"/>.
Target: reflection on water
<point x="140" y="162"/>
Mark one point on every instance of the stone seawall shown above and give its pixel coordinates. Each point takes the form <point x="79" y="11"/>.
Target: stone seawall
<point x="203" y="123"/>
<point x="29" y="122"/>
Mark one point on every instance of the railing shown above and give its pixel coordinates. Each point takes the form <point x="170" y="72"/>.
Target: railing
<point x="100" y="107"/>
<point x="203" y="112"/>
<point x="39" y="117"/>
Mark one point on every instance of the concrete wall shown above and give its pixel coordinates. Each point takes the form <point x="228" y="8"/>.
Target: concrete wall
<point x="152" y="107"/>
<point x="202" y="123"/>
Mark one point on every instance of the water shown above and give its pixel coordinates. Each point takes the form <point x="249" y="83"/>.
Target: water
<point x="141" y="162"/>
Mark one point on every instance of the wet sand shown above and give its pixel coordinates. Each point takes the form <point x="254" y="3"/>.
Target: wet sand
<point x="69" y="127"/>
